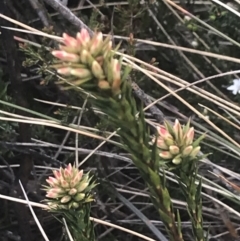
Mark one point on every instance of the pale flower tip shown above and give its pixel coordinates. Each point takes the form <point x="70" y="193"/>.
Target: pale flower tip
<point x="176" y="122"/>
<point x="80" y="173"/>
<point x="163" y="132"/>
<point x="72" y="191"/>
<point x="48" y="195"/>
<point x="51" y="194"/>
<point x="83" y="37"/>
<point x="71" y="57"/>
<point x="177" y="160"/>
<point x="79" y="197"/>
<point x="97" y="70"/>
<point x="190" y="136"/>
<point x="195" y="152"/>
<point x="69" y="41"/>
<point x="116" y="73"/>
<point x="57" y="53"/>
<point x="161" y="144"/>
<point x="52" y="181"/>
<point x="116" y="65"/>
<point x="82" y="186"/>
<point x="176" y="125"/>
<point x="65" y="199"/>
<point x="67" y="173"/>
<point x="84" y="56"/>
<point x="64" y="71"/>
<point x="186" y="152"/>
<point x="60" y="54"/>
<point x="57" y="174"/>
<point x="69" y="167"/>
<point x="174" y="150"/>
<point x="103" y="84"/>
<point x="165" y="155"/>
<point x="65" y="35"/>
<point x="64" y="184"/>
<point x="96" y="44"/>
<point x="84" y="33"/>
<point x="110" y="45"/>
<point x="99" y="38"/>
<point x="81" y="73"/>
<point x="78" y="37"/>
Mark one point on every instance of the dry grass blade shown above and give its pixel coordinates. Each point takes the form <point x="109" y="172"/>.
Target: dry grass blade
<point x="33" y="214"/>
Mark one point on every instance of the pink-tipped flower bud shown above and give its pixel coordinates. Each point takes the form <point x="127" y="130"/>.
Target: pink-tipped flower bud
<point x="161" y="144"/>
<point x="178" y="132"/>
<point x="69" y="168"/>
<point x="65" y="199"/>
<point x="176" y="128"/>
<point x="69" y="57"/>
<point x="83" y="37"/>
<point x="84" y="56"/>
<point x="97" y="70"/>
<point x="52" y="181"/>
<point x="103" y="84"/>
<point x="64" y="71"/>
<point x="64" y="183"/>
<point x="116" y="69"/>
<point x="57" y="174"/>
<point x="96" y="44"/>
<point x="51" y="194"/>
<point x="174" y="150"/>
<point x="76" y="179"/>
<point x="116" y="74"/>
<point x="165" y="155"/>
<point x="69" y="41"/>
<point x="109" y="46"/>
<point x="163" y="133"/>
<point x="67" y="174"/>
<point x="57" y="190"/>
<point x="72" y="191"/>
<point x="189" y="136"/>
<point x="187" y="150"/>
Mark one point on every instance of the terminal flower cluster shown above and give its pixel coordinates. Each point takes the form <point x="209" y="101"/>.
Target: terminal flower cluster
<point x="68" y="188"/>
<point x="88" y="62"/>
<point x="177" y="143"/>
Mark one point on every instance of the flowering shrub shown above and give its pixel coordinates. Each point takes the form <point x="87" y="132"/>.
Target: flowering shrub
<point x="89" y="63"/>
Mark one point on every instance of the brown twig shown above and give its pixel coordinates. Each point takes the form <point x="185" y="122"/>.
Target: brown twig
<point x="41" y="11"/>
<point x="67" y="14"/>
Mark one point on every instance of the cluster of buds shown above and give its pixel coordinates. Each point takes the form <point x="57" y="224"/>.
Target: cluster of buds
<point x="68" y="189"/>
<point x="176" y="143"/>
<point x="85" y="59"/>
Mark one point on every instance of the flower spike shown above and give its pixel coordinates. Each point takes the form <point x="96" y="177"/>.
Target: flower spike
<point x="68" y="187"/>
